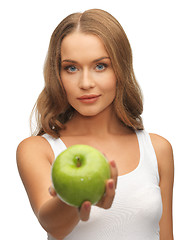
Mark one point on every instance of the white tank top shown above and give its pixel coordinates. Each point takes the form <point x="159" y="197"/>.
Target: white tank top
<point x="137" y="206"/>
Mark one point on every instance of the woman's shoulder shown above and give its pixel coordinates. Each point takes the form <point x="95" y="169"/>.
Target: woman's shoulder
<point x="34" y="146"/>
<point x="32" y="142"/>
<point x="164" y="152"/>
<point x="160" y="144"/>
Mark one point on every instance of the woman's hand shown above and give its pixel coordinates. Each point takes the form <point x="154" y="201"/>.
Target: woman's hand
<point x="107" y="199"/>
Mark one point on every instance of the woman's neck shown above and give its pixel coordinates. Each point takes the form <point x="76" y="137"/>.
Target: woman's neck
<point x="103" y="124"/>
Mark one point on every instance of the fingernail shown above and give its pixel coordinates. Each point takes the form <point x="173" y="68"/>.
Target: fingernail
<point x="113" y="164"/>
<point x="87" y="207"/>
<point x="111" y="185"/>
<point x="50" y="191"/>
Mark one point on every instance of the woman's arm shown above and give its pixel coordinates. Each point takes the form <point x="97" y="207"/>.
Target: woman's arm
<point x="164" y="153"/>
<point x="34" y="159"/>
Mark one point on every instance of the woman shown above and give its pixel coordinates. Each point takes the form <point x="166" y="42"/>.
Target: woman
<point x="91" y="97"/>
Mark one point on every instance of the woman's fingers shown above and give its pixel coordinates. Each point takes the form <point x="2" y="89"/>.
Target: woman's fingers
<point x="114" y="171"/>
<point x="84" y="211"/>
<point x="107" y="200"/>
<point x="52" y="191"/>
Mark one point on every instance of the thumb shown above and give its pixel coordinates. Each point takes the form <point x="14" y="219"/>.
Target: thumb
<point x="52" y="191"/>
<point x="84" y="211"/>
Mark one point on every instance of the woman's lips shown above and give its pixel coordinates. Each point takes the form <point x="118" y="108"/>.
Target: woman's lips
<point x="88" y="98"/>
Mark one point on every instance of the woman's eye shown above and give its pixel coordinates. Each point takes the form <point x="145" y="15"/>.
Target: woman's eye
<point x="101" y="66"/>
<point x="70" y="69"/>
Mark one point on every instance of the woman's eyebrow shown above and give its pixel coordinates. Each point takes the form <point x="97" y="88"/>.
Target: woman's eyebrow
<point x="69" y="60"/>
<point x="99" y="59"/>
<point x="96" y="60"/>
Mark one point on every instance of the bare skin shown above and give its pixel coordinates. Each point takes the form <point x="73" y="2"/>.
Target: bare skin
<point x="96" y="125"/>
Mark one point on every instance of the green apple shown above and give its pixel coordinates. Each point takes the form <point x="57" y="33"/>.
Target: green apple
<point x="79" y="174"/>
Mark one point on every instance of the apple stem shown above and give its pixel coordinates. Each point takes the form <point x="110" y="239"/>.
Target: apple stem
<point x="78" y="161"/>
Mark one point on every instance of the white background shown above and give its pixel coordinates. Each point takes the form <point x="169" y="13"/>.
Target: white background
<point x="155" y="31"/>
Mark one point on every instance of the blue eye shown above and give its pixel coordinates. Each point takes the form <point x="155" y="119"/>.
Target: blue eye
<point x="101" y="66"/>
<point x="70" y="69"/>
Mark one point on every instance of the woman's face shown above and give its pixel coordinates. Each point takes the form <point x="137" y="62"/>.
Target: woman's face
<point x="87" y="74"/>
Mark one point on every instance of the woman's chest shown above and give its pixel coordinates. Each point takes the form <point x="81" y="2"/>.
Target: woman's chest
<point x="125" y="152"/>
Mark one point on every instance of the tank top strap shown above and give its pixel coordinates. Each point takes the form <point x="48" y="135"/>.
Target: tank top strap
<point x="147" y="151"/>
<point x="56" y="144"/>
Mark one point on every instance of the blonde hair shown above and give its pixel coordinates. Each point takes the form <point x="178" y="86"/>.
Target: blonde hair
<point x="52" y="108"/>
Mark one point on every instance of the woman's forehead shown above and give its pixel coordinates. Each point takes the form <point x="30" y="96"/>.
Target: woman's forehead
<point x="79" y="45"/>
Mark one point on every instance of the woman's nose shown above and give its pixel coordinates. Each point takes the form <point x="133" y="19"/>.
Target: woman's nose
<point x="86" y="80"/>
